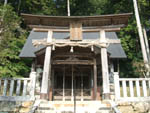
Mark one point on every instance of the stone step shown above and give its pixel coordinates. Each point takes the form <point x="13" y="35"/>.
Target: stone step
<point x="104" y="111"/>
<point x="45" y="108"/>
<point x="58" y="104"/>
<point x="78" y="110"/>
<point x="68" y="107"/>
<point x="47" y="111"/>
<point x="44" y="111"/>
<point x="70" y="102"/>
<point x="72" y="105"/>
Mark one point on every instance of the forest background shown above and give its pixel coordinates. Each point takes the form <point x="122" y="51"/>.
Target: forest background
<point x="14" y="32"/>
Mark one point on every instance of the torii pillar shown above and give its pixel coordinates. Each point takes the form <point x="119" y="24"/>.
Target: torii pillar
<point x="47" y="69"/>
<point x="104" y="62"/>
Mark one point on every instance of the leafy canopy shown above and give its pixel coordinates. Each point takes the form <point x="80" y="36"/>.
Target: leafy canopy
<point x="12" y="38"/>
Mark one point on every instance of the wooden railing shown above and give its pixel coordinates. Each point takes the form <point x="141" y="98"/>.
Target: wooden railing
<point x="17" y="89"/>
<point x="131" y="89"/>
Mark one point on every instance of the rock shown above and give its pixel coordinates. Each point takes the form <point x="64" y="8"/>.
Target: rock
<point x="24" y="110"/>
<point x="125" y="104"/>
<point x="126" y="109"/>
<point x="16" y="110"/>
<point x="15" y="106"/>
<point x="141" y="107"/>
<point x="27" y="104"/>
<point x="9" y="106"/>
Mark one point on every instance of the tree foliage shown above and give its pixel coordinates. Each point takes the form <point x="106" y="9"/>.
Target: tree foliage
<point x="12" y="39"/>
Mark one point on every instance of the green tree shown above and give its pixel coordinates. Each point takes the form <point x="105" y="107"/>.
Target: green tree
<point x="131" y="45"/>
<point x="134" y="66"/>
<point x="11" y="42"/>
<point x="46" y="7"/>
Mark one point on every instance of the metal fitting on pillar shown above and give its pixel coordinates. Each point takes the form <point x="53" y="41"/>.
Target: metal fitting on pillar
<point x="53" y="47"/>
<point x="71" y="50"/>
<point x="92" y="48"/>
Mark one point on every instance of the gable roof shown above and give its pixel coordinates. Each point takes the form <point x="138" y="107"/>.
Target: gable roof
<point x="28" y="51"/>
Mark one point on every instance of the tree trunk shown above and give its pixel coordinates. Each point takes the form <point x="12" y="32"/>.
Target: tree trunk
<point x="5" y="2"/>
<point x="145" y="58"/>
<point x="68" y="7"/>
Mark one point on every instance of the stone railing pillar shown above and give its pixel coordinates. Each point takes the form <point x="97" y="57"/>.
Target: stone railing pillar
<point x="117" y="85"/>
<point x="32" y="84"/>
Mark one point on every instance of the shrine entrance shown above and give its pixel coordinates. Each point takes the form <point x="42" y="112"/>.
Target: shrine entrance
<point x="72" y="82"/>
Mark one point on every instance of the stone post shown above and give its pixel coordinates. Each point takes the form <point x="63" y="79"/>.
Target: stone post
<point x="32" y="84"/>
<point x="117" y="85"/>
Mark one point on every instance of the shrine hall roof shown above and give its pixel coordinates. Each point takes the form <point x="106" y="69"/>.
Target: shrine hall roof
<point x="28" y="51"/>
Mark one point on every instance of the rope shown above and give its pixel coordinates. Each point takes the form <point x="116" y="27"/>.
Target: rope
<point x="37" y="43"/>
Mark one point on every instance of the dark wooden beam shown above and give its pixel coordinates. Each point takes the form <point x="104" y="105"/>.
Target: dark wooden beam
<point x="79" y="62"/>
<point x="83" y="55"/>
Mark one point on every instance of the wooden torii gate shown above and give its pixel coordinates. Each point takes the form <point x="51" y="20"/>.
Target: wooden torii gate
<point x="76" y="25"/>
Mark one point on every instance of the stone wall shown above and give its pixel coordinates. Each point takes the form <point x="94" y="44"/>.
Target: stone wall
<point x="25" y="107"/>
<point x="134" y="107"/>
<point x="16" y="107"/>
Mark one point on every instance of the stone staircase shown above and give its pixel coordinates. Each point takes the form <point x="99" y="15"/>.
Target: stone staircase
<point x="70" y="107"/>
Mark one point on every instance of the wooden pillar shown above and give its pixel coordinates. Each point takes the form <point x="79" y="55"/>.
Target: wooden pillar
<point x="47" y="69"/>
<point x="112" y="67"/>
<point x="72" y="91"/>
<point x="92" y="87"/>
<point x="82" y="96"/>
<point x="33" y="66"/>
<point x="104" y="62"/>
<point x="95" y="80"/>
<point x="118" y="68"/>
<point x="64" y="84"/>
<point x="50" y="94"/>
<point x="52" y="85"/>
<point x="111" y="72"/>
